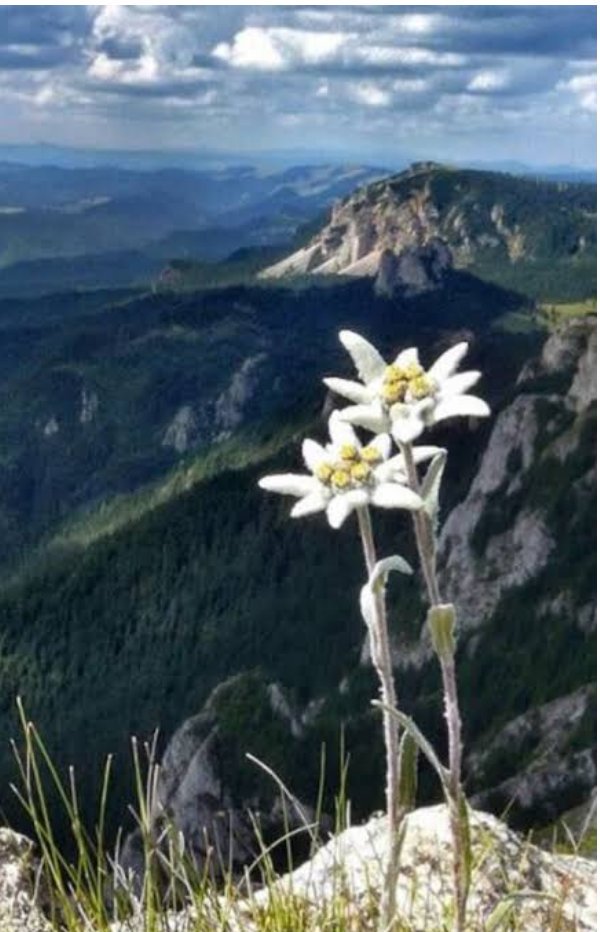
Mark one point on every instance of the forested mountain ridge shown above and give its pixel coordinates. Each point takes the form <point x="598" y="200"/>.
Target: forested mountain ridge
<point x="139" y="609"/>
<point x="97" y="400"/>
<point x="519" y="232"/>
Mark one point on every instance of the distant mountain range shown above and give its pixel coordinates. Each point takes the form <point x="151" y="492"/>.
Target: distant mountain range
<point x="276" y="159"/>
<point x="55" y="213"/>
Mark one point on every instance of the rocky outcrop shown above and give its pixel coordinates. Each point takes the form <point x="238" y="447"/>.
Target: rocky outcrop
<point x="231" y="404"/>
<point x="476" y="215"/>
<point x="22" y="891"/>
<point x="482" y="553"/>
<point x="182" y="432"/>
<point x="340" y="886"/>
<point x="473" y="580"/>
<point x="397" y="242"/>
<point x="505" y="864"/>
<point x="551" y="771"/>
<point x="200" y="793"/>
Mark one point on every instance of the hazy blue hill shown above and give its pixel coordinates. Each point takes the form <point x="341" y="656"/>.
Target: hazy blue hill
<point x="48" y="211"/>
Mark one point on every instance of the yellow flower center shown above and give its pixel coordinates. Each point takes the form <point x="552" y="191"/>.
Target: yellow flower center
<point x="400" y="381"/>
<point x="421" y="387"/>
<point x="348" y="452"/>
<point x="353" y="468"/>
<point x="370" y="454"/>
<point x="392" y="392"/>
<point x="392" y="374"/>
<point x="324" y="472"/>
<point x="360" y="472"/>
<point x="341" y="479"/>
<point x="413" y="370"/>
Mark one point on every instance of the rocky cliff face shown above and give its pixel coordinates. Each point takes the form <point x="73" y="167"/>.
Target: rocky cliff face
<point x="407" y="230"/>
<point x="378" y="235"/>
<point x="210" y="793"/>
<point x="521" y="542"/>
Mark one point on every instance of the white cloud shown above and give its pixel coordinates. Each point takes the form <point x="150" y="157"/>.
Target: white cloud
<point x="279" y="48"/>
<point x="410" y="85"/>
<point x="584" y="87"/>
<point x="489" y="81"/>
<point x="371" y="95"/>
<point x="418" y="23"/>
<point x="282" y="48"/>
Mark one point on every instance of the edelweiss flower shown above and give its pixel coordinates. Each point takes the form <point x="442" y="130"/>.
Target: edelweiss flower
<point x="403" y="398"/>
<point x="345" y="475"/>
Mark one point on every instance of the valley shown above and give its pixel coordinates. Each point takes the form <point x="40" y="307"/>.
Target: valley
<point x="142" y="569"/>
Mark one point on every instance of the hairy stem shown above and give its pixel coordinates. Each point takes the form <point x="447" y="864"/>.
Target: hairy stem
<point x="425" y="538"/>
<point x="382" y="661"/>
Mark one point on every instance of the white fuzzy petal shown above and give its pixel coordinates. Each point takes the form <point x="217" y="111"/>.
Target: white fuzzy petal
<point x="341" y="431"/>
<point x="383" y="444"/>
<point x="310" y="504"/>
<point x="407" y="356"/>
<point x="371" y="417"/>
<point x="423" y="453"/>
<point x="394" y="495"/>
<point x="394" y="468"/>
<point x="457" y="384"/>
<point x="290" y="484"/>
<point x="353" y="391"/>
<point x="461" y="406"/>
<point x="447" y="364"/>
<point x="407" y="427"/>
<point x="313" y="454"/>
<point x="369" y="364"/>
<point x="341" y="506"/>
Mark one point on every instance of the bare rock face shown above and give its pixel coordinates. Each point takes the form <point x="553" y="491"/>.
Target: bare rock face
<point x="396" y="242"/>
<point x="182" y="432"/>
<point x="199" y="795"/>
<point x="505" y="864"/>
<point x="231" y="403"/>
<point x="550" y="767"/>
<point x="20" y="886"/>
<point x="413" y="271"/>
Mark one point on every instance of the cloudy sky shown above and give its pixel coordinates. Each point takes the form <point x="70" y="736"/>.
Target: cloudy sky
<point x="368" y="82"/>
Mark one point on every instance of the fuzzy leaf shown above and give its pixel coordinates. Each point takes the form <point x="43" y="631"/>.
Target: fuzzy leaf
<point x="465" y="831"/>
<point x="377" y="581"/>
<point x="384" y="567"/>
<point x="413" y="729"/>
<point x="430" y="489"/>
<point x="408" y="755"/>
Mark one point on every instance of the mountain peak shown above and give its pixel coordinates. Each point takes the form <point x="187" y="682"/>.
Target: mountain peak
<point x="432" y="212"/>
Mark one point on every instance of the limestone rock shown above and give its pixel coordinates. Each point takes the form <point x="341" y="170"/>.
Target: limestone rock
<point x="89" y="406"/>
<point x="231" y="403"/>
<point x="198" y="791"/>
<point x="21" y="888"/>
<point x="550" y="768"/>
<point x="182" y="432"/>
<point x="396" y="242"/>
<point x="549" y="885"/>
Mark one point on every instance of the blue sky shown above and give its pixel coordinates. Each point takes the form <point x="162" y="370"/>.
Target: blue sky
<point x="370" y="83"/>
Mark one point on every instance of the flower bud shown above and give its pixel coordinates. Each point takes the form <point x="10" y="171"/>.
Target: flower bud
<point x="442" y="620"/>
